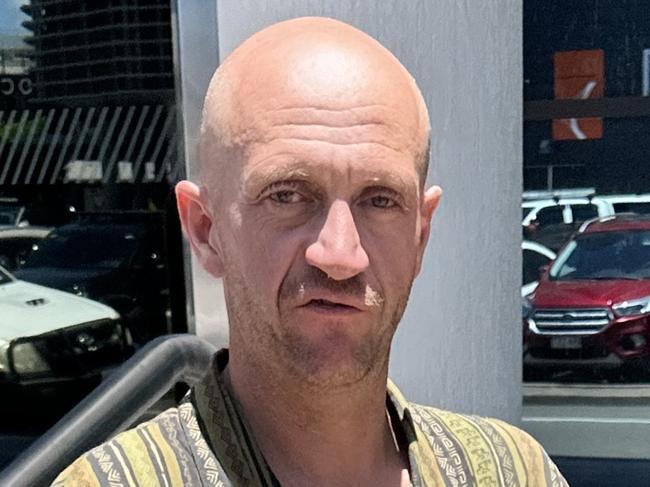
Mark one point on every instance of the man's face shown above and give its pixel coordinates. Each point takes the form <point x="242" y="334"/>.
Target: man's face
<point x="321" y="235"/>
<point x="315" y="217"/>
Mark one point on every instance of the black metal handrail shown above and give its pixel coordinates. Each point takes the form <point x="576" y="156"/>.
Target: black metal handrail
<point x="119" y="401"/>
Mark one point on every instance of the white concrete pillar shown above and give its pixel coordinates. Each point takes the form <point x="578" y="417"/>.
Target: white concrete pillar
<point x="459" y="345"/>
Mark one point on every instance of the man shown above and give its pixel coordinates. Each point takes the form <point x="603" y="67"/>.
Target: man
<point x="312" y="208"/>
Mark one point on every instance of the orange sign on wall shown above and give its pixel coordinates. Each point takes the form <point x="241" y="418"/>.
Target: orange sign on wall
<point x="578" y="75"/>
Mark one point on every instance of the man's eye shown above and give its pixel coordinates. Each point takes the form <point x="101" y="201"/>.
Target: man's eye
<point x="286" y="196"/>
<point x="382" y="202"/>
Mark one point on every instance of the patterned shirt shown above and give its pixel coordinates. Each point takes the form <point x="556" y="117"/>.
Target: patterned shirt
<point x="205" y="442"/>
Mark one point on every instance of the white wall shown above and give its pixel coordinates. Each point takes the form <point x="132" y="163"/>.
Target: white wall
<point x="459" y="345"/>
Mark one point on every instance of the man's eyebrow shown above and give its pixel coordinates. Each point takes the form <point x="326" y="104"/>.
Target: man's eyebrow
<point x="256" y="179"/>
<point x="391" y="180"/>
<point x="260" y="178"/>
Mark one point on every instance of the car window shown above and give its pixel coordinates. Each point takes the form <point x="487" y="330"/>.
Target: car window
<point x="83" y="247"/>
<point x="608" y="255"/>
<point x="551" y="215"/>
<point x="532" y="261"/>
<point x="632" y="207"/>
<point x="582" y="213"/>
<point x="9" y="215"/>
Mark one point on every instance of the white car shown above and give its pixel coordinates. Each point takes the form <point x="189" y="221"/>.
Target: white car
<point x="48" y="335"/>
<point x="627" y="203"/>
<point x="550" y="211"/>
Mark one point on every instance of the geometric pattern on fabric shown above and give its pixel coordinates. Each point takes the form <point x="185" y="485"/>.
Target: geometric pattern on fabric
<point x="205" y="442"/>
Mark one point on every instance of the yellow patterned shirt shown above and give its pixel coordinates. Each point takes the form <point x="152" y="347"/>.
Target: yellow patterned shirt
<point x="204" y="442"/>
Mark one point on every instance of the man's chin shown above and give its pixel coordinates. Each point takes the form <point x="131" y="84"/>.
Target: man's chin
<point x="331" y="363"/>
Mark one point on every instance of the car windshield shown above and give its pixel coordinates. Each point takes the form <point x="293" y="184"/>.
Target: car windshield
<point x="86" y="247"/>
<point x="9" y="214"/>
<point x="4" y="277"/>
<point x="605" y="255"/>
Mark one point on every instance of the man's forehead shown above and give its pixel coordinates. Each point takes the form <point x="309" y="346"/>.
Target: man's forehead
<point x="312" y="71"/>
<point x="325" y="78"/>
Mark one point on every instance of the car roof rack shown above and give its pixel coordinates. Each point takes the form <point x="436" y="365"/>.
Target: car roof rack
<point x="558" y="194"/>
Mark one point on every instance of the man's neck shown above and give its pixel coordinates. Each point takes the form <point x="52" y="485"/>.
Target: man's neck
<point x="315" y="437"/>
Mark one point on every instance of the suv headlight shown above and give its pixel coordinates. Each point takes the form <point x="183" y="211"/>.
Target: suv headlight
<point x="632" y="307"/>
<point x="28" y="360"/>
<point x="526" y="307"/>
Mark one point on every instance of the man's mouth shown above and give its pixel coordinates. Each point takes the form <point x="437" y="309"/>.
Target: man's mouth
<point x="325" y="305"/>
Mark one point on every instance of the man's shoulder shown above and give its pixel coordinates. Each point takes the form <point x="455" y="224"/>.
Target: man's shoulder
<point x="478" y="445"/>
<point x="161" y="448"/>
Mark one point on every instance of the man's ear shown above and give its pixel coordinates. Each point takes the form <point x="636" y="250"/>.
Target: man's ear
<point x="429" y="205"/>
<point x="197" y="223"/>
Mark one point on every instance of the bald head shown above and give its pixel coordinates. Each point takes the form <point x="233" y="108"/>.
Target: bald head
<point x="314" y="63"/>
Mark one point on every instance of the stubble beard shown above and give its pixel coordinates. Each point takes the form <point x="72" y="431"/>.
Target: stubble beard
<point x="274" y="348"/>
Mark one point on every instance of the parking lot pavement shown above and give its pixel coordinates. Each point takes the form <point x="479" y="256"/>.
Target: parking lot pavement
<point x="597" y="433"/>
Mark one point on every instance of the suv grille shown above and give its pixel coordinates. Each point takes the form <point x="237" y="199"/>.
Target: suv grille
<point x="81" y="349"/>
<point x="578" y="321"/>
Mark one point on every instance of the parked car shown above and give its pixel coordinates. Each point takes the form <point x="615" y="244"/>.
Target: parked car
<point x="535" y="257"/>
<point x="49" y="338"/>
<point x="592" y="307"/>
<point x="16" y="243"/>
<point x="552" y="221"/>
<point x="117" y="259"/>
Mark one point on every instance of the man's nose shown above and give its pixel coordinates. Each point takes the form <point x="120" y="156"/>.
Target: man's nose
<point x="338" y="251"/>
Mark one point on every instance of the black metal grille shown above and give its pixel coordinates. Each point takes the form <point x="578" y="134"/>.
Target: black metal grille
<point x="79" y="350"/>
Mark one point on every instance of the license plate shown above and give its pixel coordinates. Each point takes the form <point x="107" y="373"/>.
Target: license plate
<point x="565" y="343"/>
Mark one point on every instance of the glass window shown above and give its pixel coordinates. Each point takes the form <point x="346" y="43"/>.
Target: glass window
<point x="632" y="207"/>
<point x="582" y="213"/>
<point x="85" y="246"/>
<point x="605" y="255"/>
<point x="587" y="328"/>
<point x="532" y="263"/>
<point x="551" y="215"/>
<point x="88" y="225"/>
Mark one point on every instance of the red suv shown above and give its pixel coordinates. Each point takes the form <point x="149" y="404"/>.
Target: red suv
<point x="592" y="306"/>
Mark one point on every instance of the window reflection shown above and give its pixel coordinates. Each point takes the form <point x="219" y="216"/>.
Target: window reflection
<point x="91" y="264"/>
<point x="585" y="188"/>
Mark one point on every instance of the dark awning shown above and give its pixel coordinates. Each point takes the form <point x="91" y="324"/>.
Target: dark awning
<point x="100" y="144"/>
